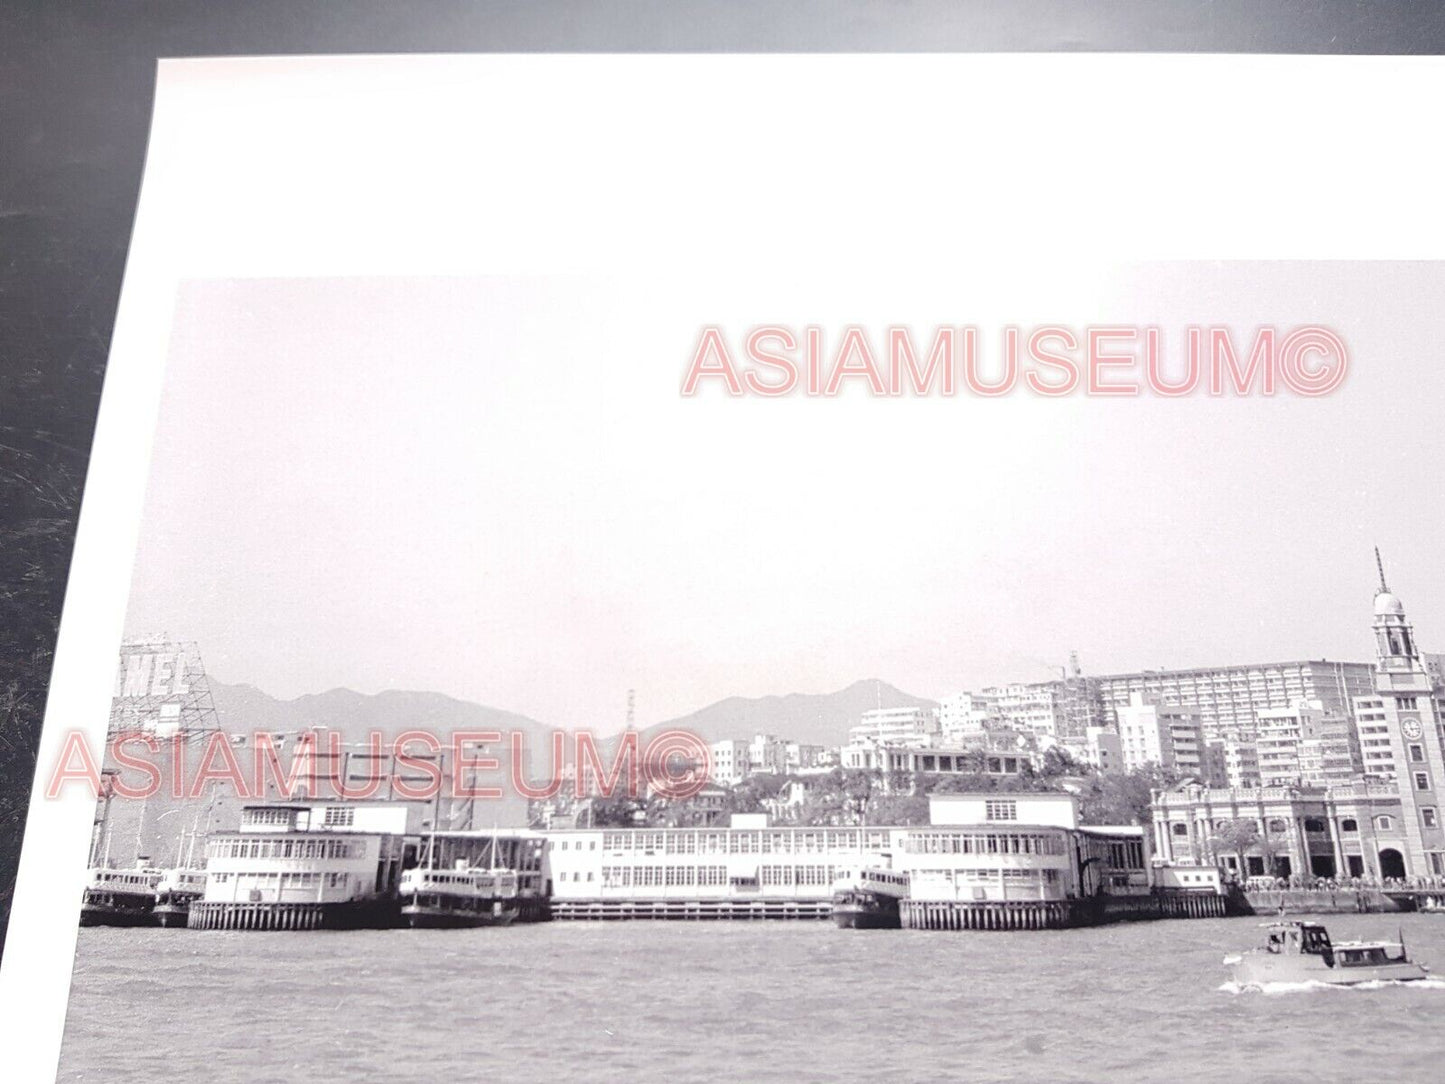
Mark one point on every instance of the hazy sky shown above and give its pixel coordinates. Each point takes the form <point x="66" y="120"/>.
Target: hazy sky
<point x="493" y="489"/>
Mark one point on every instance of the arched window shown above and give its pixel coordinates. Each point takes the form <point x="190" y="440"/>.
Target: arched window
<point x="1314" y="824"/>
<point x="1277" y="825"/>
<point x="1349" y="824"/>
<point x="1384" y="823"/>
<point x="1181" y="829"/>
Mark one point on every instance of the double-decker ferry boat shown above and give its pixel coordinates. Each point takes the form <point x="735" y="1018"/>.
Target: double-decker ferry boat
<point x="120" y="897"/>
<point x="460" y="897"/>
<point x="176" y="890"/>
<point x="867" y="898"/>
<point x="1303" y="952"/>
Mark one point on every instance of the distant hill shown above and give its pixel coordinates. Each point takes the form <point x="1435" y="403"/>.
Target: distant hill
<point x="245" y="708"/>
<point x="813" y="718"/>
<point x="816" y="718"/>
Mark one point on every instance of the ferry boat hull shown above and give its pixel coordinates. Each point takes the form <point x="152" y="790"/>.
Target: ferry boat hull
<point x="866" y="911"/>
<point x="114" y="909"/>
<point x="420" y="916"/>
<point x="172" y="915"/>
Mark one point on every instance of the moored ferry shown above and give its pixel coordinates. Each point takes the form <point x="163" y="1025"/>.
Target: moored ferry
<point x="175" y="891"/>
<point x="461" y="897"/>
<point x="1303" y="952"/>
<point x="120" y="897"/>
<point x="867" y="898"/>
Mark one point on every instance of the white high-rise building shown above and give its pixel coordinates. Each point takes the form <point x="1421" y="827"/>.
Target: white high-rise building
<point x="1228" y="697"/>
<point x="965" y="717"/>
<point x="1163" y="734"/>
<point x="913" y="727"/>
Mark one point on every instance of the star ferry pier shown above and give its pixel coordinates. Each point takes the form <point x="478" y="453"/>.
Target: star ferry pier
<point x="985" y="862"/>
<point x="338" y="865"/>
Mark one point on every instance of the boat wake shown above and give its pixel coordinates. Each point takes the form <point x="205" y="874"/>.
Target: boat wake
<point x="1275" y="989"/>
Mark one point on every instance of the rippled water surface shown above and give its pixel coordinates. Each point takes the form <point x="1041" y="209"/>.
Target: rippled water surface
<point x="734" y="1001"/>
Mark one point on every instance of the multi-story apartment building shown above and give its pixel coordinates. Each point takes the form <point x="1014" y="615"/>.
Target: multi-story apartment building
<point x="1037" y="708"/>
<point x="966" y="716"/>
<point x="1080" y="705"/>
<point x="767" y="754"/>
<point x="1227" y="698"/>
<point x="1047" y="709"/>
<point x="802" y="757"/>
<point x="1164" y="734"/>
<point x="1377" y="750"/>
<point x="896" y="726"/>
<point x="731" y="761"/>
<point x="1301" y="744"/>
<point x="1232" y="762"/>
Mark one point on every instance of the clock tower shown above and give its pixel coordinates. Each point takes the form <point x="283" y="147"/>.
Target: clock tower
<point x="1406" y="696"/>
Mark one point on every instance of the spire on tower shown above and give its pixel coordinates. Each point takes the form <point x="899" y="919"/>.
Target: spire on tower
<point x="1384" y="590"/>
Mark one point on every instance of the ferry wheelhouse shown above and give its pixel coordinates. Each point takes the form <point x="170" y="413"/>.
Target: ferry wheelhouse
<point x="175" y="891"/>
<point x="867" y="898"/>
<point x="461" y="897"/>
<point x="120" y="897"/>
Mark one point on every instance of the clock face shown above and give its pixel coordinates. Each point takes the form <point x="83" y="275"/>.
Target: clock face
<point x="1411" y="727"/>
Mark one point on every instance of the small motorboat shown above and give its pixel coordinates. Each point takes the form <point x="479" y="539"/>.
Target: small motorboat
<point x="1302" y="952"/>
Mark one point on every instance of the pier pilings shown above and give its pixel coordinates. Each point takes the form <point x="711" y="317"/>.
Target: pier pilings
<point x="1056" y="914"/>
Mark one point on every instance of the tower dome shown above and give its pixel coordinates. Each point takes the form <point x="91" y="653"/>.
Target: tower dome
<point x="1388" y="605"/>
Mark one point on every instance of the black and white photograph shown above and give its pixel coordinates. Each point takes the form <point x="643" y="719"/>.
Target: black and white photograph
<point x="811" y="573"/>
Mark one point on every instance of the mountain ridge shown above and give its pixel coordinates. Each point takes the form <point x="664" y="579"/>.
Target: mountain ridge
<point x="811" y="718"/>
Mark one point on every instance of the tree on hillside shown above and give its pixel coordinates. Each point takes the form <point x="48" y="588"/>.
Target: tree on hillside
<point x="616" y="811"/>
<point x="1057" y="761"/>
<point x="1123" y="797"/>
<point x="894" y="809"/>
<point x="972" y="783"/>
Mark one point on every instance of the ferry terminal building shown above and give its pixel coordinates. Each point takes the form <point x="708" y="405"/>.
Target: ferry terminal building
<point x="1020" y="859"/>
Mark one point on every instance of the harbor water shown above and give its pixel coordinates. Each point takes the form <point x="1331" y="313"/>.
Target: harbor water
<point x="785" y="1001"/>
